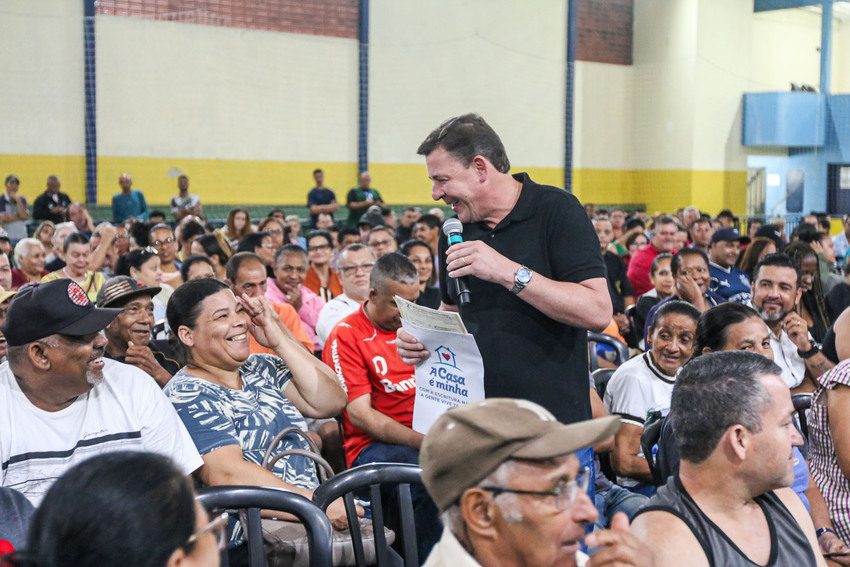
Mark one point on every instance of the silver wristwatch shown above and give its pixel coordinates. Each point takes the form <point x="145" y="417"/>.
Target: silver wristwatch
<point x="521" y="279"/>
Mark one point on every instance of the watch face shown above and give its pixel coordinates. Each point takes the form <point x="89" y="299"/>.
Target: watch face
<point x="523" y="275"/>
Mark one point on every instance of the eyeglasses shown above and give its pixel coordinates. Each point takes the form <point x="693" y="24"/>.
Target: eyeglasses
<point x="217" y="527"/>
<point x="351" y="270"/>
<point x="318" y="247"/>
<point x="168" y="240"/>
<point x="290" y="269"/>
<point x="275" y="231"/>
<point x="564" y="494"/>
<point x="380" y="243"/>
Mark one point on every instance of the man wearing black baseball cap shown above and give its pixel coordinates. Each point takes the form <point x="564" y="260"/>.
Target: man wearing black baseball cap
<point x="61" y="402"/>
<point x="511" y="492"/>
<point x="727" y="281"/>
<point x="129" y="334"/>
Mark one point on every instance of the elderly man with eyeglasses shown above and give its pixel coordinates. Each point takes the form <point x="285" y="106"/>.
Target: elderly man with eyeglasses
<point x="516" y="495"/>
<point x="355" y="264"/>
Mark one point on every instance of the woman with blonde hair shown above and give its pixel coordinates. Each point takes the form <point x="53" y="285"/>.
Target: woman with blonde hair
<point x="44" y="234"/>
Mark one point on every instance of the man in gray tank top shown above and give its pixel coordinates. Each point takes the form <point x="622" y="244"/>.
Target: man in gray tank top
<point x="730" y="504"/>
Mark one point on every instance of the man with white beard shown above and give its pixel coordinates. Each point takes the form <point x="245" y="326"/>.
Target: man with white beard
<point x="61" y="402"/>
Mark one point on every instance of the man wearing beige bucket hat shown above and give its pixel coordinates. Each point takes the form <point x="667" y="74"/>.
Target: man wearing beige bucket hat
<point x="511" y="492"/>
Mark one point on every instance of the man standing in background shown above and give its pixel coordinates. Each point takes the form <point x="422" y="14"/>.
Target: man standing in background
<point x="320" y="199"/>
<point x="361" y="198"/>
<point x="13" y="210"/>
<point x="184" y="203"/>
<point x="128" y="203"/>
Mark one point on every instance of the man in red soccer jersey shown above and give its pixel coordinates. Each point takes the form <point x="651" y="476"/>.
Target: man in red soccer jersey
<point x="381" y="388"/>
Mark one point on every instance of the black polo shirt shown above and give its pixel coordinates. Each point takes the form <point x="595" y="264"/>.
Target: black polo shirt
<point x="162" y="352"/>
<point x="527" y="354"/>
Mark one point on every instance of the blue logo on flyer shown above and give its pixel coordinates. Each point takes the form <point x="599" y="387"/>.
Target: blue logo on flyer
<point x="445" y="374"/>
<point x="446" y="357"/>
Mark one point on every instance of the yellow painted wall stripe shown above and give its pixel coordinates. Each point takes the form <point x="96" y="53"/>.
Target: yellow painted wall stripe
<point x="243" y="182"/>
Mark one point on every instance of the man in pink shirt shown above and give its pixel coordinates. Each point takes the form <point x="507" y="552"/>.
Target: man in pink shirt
<point x="287" y="286"/>
<point x="663" y="240"/>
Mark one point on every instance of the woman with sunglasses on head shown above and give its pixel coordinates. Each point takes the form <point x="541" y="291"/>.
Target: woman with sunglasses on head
<point x="321" y="279"/>
<point x="123" y="509"/>
<point x="277" y="231"/>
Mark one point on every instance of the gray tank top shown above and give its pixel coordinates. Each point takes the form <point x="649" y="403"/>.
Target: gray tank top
<point x="788" y="544"/>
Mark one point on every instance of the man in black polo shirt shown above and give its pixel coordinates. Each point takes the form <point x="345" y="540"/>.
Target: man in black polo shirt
<point x="534" y="268"/>
<point x="51" y="205"/>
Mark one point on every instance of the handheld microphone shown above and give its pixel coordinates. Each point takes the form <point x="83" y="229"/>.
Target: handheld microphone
<point x="453" y="229"/>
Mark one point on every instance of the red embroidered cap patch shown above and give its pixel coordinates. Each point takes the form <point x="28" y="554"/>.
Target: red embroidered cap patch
<point x="77" y="295"/>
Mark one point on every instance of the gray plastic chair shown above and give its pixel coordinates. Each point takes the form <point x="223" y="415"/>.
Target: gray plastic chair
<point x="252" y="499"/>
<point x="374" y="476"/>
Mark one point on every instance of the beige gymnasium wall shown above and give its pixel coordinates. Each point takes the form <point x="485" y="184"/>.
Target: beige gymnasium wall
<point x="247" y="114"/>
<point x="41" y="94"/>
<point x="433" y="60"/>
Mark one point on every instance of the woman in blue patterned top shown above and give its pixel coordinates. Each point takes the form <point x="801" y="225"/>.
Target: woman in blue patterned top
<point x="234" y="403"/>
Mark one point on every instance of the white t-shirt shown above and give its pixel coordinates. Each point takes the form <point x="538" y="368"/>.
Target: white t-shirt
<point x="634" y="389"/>
<point x="785" y="355"/>
<point x="332" y="313"/>
<point x="127" y="411"/>
<point x="637" y="387"/>
<point x="178" y="203"/>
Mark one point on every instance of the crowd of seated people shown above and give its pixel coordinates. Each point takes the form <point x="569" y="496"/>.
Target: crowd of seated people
<point x="222" y="322"/>
<point x="258" y="326"/>
<point x="762" y="293"/>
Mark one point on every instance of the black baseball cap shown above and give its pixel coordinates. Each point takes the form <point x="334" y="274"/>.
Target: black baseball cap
<point x="728" y="235"/>
<point x="772" y="232"/>
<point x="122" y="289"/>
<point x="373" y="217"/>
<point x="56" y="307"/>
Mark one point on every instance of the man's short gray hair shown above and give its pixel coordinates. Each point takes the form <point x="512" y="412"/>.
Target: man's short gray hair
<point x="508" y="502"/>
<point x="393" y="267"/>
<point x="17" y="354"/>
<point x="353" y="248"/>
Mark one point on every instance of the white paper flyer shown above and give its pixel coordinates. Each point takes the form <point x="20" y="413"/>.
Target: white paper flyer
<point x="453" y="374"/>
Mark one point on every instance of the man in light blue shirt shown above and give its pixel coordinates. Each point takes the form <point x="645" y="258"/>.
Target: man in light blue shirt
<point x="128" y="203"/>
